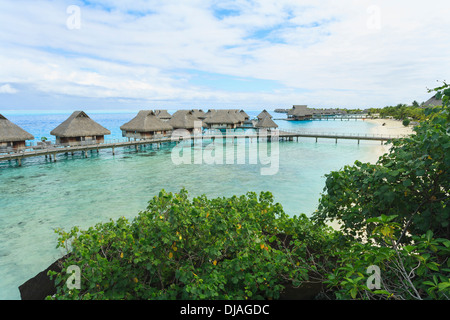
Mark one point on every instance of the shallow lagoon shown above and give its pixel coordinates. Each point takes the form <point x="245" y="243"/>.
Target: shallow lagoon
<point x="41" y="195"/>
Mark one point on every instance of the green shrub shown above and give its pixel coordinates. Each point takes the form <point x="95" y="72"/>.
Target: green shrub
<point x="224" y="248"/>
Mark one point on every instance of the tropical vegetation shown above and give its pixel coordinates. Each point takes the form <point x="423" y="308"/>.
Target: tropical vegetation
<point x="392" y="239"/>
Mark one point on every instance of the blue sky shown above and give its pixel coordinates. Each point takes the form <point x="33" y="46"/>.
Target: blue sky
<point x="116" y="55"/>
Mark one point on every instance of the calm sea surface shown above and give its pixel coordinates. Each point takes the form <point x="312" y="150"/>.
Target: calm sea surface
<point x="76" y="191"/>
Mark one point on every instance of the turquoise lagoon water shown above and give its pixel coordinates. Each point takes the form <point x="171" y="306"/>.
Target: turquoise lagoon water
<point x="76" y="191"/>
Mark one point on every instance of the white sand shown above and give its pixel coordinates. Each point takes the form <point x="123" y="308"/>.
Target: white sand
<point x="391" y="128"/>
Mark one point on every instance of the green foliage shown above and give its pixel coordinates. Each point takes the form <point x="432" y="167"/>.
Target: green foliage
<point x="393" y="215"/>
<point x="396" y="214"/>
<point x="406" y="122"/>
<point x="224" y="248"/>
<point x="412" y="181"/>
<point x="417" y="271"/>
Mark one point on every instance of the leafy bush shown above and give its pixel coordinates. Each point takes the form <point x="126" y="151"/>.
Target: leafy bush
<point x="396" y="214"/>
<point x="224" y="248"/>
<point x="412" y="181"/>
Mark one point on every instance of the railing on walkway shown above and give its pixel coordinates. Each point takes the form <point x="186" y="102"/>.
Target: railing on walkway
<point x="49" y="148"/>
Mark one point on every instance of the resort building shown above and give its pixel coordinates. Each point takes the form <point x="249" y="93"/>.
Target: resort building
<point x="263" y="114"/>
<point x="300" y="112"/>
<point x="221" y="119"/>
<point x="163" y="115"/>
<point x="432" y="102"/>
<point x="78" y="128"/>
<point x="146" y="125"/>
<point x="12" y="137"/>
<point x="186" y="119"/>
<point x="266" y="123"/>
<point x="244" y="115"/>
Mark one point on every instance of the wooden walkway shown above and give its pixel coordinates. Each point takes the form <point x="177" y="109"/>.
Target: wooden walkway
<point x="284" y="135"/>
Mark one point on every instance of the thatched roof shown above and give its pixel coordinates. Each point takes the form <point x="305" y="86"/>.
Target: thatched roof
<point x="221" y="117"/>
<point x="183" y="119"/>
<point x="199" y="113"/>
<point x="10" y="132"/>
<point x="79" y="125"/>
<point x="432" y="102"/>
<point x="162" y="114"/>
<point x="146" y="121"/>
<point x="264" y="114"/>
<point x="234" y="113"/>
<point x="244" y="114"/>
<point x="300" y="111"/>
<point x="266" y="122"/>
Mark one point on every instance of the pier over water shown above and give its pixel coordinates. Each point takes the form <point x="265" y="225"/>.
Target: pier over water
<point x="51" y="150"/>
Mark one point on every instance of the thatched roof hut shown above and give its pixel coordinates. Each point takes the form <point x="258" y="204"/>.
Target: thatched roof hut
<point x="300" y="112"/>
<point x="244" y="115"/>
<point x="432" y="102"/>
<point x="185" y="119"/>
<point x="221" y="118"/>
<point x="10" y="132"/>
<point x="145" y="125"/>
<point x="162" y="114"/>
<point x="234" y="113"/>
<point x="79" y="127"/>
<point x="266" y="123"/>
<point x="11" y="135"/>
<point x="264" y="114"/>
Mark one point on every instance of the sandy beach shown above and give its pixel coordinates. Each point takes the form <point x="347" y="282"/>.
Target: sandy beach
<point x="391" y="127"/>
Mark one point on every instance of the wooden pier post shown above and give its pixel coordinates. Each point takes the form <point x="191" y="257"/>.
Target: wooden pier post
<point x="113" y="150"/>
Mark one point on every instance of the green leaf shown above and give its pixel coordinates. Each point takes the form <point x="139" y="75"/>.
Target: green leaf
<point x="443" y="285"/>
<point x="407" y="183"/>
<point x="354" y="292"/>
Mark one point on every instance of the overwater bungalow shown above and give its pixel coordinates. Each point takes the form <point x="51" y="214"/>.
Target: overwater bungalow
<point x="12" y="137"/>
<point x="163" y="115"/>
<point x="186" y="119"/>
<point x="146" y="125"/>
<point x="221" y="119"/>
<point x="300" y="112"/>
<point x="244" y="115"/>
<point x="266" y="123"/>
<point x="79" y="127"/>
<point x="236" y="114"/>
<point x="263" y="114"/>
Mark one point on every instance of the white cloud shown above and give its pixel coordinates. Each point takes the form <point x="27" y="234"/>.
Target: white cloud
<point x="323" y="53"/>
<point x="6" y="88"/>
